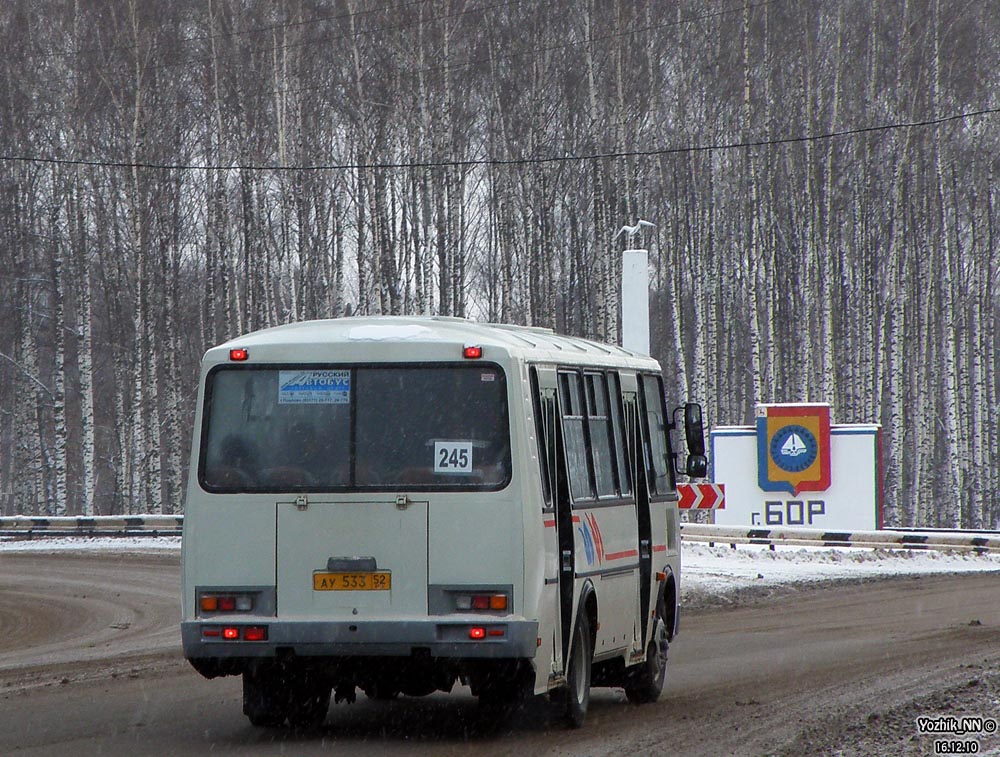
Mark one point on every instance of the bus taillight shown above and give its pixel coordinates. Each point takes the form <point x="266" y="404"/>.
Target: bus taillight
<point x="255" y="633"/>
<point x="210" y="603"/>
<point x="481" y="602"/>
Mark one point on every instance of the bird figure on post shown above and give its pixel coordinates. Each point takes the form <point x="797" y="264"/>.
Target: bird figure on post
<point x="631" y="231"/>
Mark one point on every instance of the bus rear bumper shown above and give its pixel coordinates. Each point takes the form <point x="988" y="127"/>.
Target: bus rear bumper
<point x="479" y="638"/>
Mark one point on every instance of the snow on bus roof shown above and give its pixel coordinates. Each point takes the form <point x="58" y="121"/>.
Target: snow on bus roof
<point x="447" y="329"/>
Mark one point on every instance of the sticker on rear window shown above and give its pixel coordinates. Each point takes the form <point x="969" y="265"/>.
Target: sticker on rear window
<point x="314" y="387"/>
<point x="452" y="457"/>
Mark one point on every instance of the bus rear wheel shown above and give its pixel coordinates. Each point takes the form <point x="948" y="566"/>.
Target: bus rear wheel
<point x="272" y="697"/>
<point x="265" y="701"/>
<point x="309" y="701"/>
<point x="577" y="691"/>
<point x="644" y="684"/>
<point x="506" y="689"/>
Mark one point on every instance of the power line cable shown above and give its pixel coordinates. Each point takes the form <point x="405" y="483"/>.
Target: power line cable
<point x="473" y="162"/>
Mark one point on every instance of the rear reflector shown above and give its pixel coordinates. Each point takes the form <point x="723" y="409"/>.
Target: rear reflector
<point x="255" y="633"/>
<point x="496" y="632"/>
<point x="211" y="633"/>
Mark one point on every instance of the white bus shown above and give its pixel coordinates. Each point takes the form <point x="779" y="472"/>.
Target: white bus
<point x="397" y="504"/>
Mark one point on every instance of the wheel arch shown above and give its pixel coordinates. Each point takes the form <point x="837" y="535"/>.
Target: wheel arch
<point x="668" y="593"/>
<point x="587" y="606"/>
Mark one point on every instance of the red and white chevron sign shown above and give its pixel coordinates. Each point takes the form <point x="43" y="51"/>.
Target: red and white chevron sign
<point x="702" y="496"/>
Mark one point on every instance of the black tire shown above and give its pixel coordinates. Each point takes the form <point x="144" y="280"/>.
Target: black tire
<point x="309" y="702"/>
<point x="644" y="683"/>
<point x="265" y="701"/>
<point x="381" y="692"/>
<point x="577" y="690"/>
<point x="502" y="695"/>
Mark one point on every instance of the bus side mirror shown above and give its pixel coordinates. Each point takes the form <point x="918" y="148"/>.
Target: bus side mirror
<point x="697" y="466"/>
<point x="694" y="434"/>
<point x="694" y="431"/>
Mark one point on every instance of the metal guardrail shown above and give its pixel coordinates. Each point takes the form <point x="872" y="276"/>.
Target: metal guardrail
<point x="27" y="526"/>
<point x="172" y="525"/>
<point x="814" y="537"/>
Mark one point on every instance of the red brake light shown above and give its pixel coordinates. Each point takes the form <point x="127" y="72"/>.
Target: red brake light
<point x="480" y="602"/>
<point x="472" y="352"/>
<point x="230" y="633"/>
<point x="477" y="633"/>
<point x="238" y="354"/>
<point x="227" y="604"/>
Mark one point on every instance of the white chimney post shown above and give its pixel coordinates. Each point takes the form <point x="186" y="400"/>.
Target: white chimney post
<point x="635" y="301"/>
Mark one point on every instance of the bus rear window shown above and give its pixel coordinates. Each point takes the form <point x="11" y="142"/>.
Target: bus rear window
<point x="390" y="427"/>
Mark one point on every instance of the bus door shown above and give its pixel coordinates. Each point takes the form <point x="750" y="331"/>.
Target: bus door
<point x="556" y="516"/>
<point x="637" y="445"/>
<point x="654" y="468"/>
<point x="625" y="416"/>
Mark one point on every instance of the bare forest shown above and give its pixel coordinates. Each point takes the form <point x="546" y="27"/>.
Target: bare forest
<point x="821" y="177"/>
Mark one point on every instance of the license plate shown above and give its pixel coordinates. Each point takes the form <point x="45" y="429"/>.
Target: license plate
<point x="376" y="581"/>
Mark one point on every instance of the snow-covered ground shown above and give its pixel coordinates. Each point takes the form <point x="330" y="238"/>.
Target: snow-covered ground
<point x="721" y="572"/>
<point x="131" y="544"/>
<point x="709" y="574"/>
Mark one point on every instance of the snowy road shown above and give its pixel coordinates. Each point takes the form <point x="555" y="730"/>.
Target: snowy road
<point x="90" y="662"/>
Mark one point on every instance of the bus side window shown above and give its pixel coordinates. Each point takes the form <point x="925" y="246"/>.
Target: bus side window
<point x="654" y="435"/>
<point x="622" y="454"/>
<point x="545" y="418"/>
<point x="600" y="434"/>
<point x="578" y="463"/>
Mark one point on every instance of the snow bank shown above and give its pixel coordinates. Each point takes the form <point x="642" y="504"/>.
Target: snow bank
<point x="720" y="573"/>
<point x="136" y="544"/>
